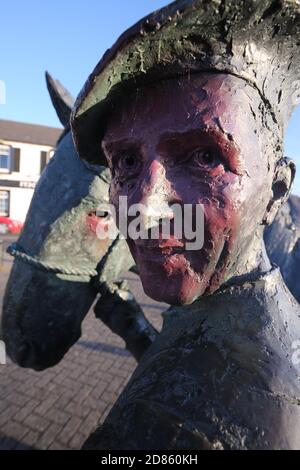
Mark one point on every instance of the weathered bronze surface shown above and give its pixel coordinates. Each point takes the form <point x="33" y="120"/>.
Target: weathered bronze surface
<point x="198" y="95"/>
<point x="282" y="240"/>
<point x="219" y="376"/>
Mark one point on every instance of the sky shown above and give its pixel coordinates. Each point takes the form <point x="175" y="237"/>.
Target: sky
<point x="67" y="38"/>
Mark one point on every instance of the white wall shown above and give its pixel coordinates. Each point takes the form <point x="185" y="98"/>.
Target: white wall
<point x="30" y="162"/>
<point x="19" y="202"/>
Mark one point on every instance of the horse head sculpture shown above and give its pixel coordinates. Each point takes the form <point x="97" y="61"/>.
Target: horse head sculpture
<point x="54" y="279"/>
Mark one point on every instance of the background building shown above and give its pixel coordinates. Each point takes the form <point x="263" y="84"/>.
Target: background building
<point x="25" y="150"/>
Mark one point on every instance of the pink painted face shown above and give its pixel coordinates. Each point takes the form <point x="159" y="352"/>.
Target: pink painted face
<point x="191" y="141"/>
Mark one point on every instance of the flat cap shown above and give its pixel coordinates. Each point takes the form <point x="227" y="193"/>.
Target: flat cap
<point x="256" y="40"/>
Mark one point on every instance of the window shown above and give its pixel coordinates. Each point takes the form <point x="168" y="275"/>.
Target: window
<point x="5" y="158"/>
<point x="4" y="203"/>
<point x="16" y="160"/>
<point x="44" y="160"/>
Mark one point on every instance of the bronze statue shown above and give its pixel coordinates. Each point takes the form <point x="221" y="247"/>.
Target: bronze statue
<point x="190" y="107"/>
<point x="56" y="309"/>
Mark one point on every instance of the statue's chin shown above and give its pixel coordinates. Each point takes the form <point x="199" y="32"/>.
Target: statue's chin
<point x="171" y="292"/>
<point x="171" y="279"/>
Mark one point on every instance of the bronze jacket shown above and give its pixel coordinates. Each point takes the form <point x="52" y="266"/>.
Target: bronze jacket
<point x="223" y="374"/>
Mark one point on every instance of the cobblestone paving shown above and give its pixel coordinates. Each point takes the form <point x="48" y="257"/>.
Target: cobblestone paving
<point x="60" y="407"/>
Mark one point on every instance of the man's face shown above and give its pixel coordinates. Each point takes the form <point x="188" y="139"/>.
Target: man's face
<point x="192" y="141"/>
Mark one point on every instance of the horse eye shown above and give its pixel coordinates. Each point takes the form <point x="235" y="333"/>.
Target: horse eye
<point x="204" y="157"/>
<point x="101" y="214"/>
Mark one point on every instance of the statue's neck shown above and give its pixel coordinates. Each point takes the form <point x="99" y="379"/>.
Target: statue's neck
<point x="253" y="262"/>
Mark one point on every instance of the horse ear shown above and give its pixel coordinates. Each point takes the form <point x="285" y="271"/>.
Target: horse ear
<point x="61" y="99"/>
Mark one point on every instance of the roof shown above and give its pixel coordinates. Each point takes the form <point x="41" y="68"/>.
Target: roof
<point x="29" y="133"/>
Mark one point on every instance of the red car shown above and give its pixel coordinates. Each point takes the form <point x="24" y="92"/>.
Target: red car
<point x="8" y="225"/>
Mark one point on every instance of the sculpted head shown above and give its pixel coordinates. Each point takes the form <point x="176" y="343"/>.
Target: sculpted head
<point x="203" y="139"/>
<point x="189" y="106"/>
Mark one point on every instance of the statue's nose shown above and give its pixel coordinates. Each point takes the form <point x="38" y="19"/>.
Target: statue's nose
<point x="156" y="197"/>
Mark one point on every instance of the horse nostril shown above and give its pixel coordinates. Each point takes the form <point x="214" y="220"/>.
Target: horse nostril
<point x="22" y="355"/>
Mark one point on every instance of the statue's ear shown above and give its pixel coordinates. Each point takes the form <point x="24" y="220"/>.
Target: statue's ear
<point x="283" y="179"/>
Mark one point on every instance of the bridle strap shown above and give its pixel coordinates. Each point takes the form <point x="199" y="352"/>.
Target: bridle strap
<point x="17" y="252"/>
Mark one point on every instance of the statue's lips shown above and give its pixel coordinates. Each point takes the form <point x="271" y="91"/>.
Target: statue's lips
<point x="158" y="247"/>
<point x="163" y="251"/>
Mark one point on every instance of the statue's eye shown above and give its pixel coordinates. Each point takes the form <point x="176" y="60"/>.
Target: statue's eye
<point x="204" y="157"/>
<point x="128" y="162"/>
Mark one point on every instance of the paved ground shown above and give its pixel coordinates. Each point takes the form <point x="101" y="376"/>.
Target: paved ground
<point x="58" y="408"/>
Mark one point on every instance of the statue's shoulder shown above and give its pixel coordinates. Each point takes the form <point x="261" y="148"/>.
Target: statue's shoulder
<point x="155" y="427"/>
